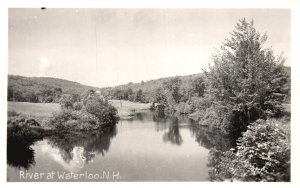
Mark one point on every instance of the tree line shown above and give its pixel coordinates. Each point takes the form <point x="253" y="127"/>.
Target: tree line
<point x="41" y="89"/>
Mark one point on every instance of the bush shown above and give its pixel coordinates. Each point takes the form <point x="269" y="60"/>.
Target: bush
<point x="201" y="103"/>
<point x="74" y="120"/>
<point x="98" y="106"/>
<point x="199" y="107"/>
<point x="68" y="100"/>
<point x="77" y="106"/>
<point x="218" y="116"/>
<point x="263" y="154"/>
<point x="12" y="113"/>
<point x="183" y="108"/>
<point x="90" y="112"/>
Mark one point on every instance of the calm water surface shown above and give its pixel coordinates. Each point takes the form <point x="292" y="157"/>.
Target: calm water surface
<point x="145" y="148"/>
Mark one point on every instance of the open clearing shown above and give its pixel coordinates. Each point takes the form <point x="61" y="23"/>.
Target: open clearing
<point x="33" y="109"/>
<point x="40" y="111"/>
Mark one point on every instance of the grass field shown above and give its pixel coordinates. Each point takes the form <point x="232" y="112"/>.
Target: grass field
<point x="37" y="111"/>
<point x="33" y="109"/>
<point x="41" y="111"/>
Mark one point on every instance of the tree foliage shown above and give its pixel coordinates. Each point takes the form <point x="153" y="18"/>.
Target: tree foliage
<point x="246" y="78"/>
<point x="263" y="154"/>
<point x="89" y="112"/>
<point x="41" y="89"/>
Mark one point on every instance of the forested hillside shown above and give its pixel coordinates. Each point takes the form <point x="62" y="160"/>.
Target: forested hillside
<point x="46" y="89"/>
<point x="41" y="89"/>
<point x="145" y="91"/>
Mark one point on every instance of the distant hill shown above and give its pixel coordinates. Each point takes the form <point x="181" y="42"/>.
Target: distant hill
<point x="41" y="89"/>
<point x="46" y="89"/>
<point x="148" y="88"/>
<point x="130" y="91"/>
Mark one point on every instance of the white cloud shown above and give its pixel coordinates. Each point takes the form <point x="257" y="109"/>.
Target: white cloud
<point x="44" y="66"/>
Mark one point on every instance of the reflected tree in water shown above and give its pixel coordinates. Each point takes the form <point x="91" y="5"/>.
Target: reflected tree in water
<point x="159" y="118"/>
<point x="139" y="116"/>
<point x="161" y="121"/>
<point x="173" y="134"/>
<point x="19" y="140"/>
<point x="86" y="144"/>
<point x="19" y="154"/>
<point x="91" y="143"/>
<point x="213" y="138"/>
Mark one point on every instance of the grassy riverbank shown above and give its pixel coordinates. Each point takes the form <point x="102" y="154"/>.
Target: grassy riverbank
<point x="127" y="109"/>
<point x="37" y="111"/>
<point x="42" y="111"/>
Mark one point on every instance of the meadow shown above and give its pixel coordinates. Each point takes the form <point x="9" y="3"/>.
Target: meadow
<point x="42" y="111"/>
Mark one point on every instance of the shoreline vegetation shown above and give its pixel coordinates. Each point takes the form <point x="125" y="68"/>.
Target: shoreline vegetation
<point x="41" y="111"/>
<point x="34" y="117"/>
<point x="245" y="94"/>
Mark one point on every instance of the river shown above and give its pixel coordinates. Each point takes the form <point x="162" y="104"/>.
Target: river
<point x="145" y="148"/>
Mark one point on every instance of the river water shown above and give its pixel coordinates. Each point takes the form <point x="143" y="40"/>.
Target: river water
<point x="145" y="148"/>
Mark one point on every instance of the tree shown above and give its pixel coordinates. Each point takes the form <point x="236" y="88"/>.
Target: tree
<point x="161" y="102"/>
<point x="130" y="94"/>
<point x="160" y="97"/>
<point x="89" y="112"/>
<point x="68" y="100"/>
<point x="173" y="86"/>
<point x="98" y="106"/>
<point x="199" y="86"/>
<point x="139" y="96"/>
<point x="118" y="94"/>
<point x="246" y="78"/>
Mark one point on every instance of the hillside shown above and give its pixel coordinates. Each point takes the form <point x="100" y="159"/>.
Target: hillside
<point x="41" y="89"/>
<point x="131" y="90"/>
<point x="46" y="89"/>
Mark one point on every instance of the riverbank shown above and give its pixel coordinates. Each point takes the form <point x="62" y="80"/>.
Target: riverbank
<point x="127" y="109"/>
<point x="42" y="111"/>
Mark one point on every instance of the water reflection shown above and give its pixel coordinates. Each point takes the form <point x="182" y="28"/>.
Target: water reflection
<point x="212" y="138"/>
<point x="77" y="149"/>
<point x="145" y="135"/>
<point x="19" y="154"/>
<point x="139" y="116"/>
<point x="93" y="143"/>
<point x="173" y="133"/>
<point x="159" y="118"/>
<point x="71" y="150"/>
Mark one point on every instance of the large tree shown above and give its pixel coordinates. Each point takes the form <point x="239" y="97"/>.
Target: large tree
<point x="245" y="77"/>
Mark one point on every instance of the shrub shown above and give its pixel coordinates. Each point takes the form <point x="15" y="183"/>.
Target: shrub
<point x="199" y="107"/>
<point x="68" y="100"/>
<point x="201" y="103"/>
<point x="12" y="113"/>
<point x="90" y="112"/>
<point x="77" y="106"/>
<point x="98" y="106"/>
<point x="74" y="120"/>
<point x="183" y="108"/>
<point x="217" y="116"/>
<point x="20" y="128"/>
<point x="263" y="154"/>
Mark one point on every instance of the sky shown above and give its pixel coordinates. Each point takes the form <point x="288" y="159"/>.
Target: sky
<point x="108" y="47"/>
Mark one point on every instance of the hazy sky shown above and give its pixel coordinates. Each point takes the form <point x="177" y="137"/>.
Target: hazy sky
<point x="133" y="44"/>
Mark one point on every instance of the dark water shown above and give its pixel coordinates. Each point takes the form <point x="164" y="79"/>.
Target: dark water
<point x="146" y="148"/>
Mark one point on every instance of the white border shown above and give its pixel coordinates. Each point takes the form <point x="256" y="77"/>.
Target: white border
<point x="292" y="4"/>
